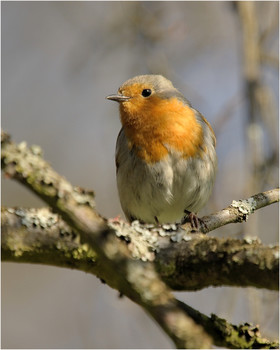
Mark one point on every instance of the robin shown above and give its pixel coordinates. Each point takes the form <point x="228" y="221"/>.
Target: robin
<point x="165" y="153"/>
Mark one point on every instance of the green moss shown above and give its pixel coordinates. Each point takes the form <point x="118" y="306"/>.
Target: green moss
<point x="166" y="268"/>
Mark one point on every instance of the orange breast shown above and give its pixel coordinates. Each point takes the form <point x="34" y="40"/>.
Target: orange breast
<point x="156" y="123"/>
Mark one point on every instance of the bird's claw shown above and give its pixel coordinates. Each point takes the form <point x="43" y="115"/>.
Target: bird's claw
<point x="196" y="222"/>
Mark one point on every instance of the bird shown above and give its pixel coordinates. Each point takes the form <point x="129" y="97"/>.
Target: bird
<point x="165" y="153"/>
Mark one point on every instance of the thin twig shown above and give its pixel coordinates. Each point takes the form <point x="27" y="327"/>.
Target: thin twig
<point x="238" y="211"/>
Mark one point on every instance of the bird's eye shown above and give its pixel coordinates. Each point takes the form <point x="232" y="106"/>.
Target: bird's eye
<point x="146" y="92"/>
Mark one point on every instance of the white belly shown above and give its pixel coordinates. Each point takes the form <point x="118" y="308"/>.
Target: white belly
<point x="164" y="190"/>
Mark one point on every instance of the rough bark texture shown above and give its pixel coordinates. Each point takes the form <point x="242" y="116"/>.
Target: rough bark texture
<point x="39" y="235"/>
<point x="145" y="256"/>
<point x="211" y="261"/>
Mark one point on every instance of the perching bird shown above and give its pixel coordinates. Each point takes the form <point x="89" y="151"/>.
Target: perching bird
<point x="165" y="153"/>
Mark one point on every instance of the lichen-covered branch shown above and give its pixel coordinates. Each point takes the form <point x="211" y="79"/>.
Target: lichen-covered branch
<point x="41" y="236"/>
<point x="137" y="280"/>
<point x="93" y="239"/>
<point x="238" y="211"/>
<point x="243" y="336"/>
<point x="209" y="261"/>
<point x="195" y="262"/>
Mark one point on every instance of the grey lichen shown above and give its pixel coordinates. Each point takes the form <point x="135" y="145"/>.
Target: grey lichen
<point x="36" y="150"/>
<point x="22" y="146"/>
<point x="148" y="239"/>
<point x="84" y="197"/>
<point x="144" y="240"/>
<point x="36" y="217"/>
<point x="251" y="240"/>
<point x="245" y="206"/>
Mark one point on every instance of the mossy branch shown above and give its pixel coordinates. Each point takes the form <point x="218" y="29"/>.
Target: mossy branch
<point x="41" y="236"/>
<point x="92" y="238"/>
<point x="137" y="280"/>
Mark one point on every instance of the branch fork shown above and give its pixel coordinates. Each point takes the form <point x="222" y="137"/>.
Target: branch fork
<point x="150" y="261"/>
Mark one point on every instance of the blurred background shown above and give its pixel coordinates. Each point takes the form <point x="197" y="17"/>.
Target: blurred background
<point x="59" y="61"/>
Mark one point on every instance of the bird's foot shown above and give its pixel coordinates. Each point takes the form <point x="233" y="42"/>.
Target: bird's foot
<point x="195" y="221"/>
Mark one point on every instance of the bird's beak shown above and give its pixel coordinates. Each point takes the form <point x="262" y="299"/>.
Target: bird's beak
<point x="118" y="98"/>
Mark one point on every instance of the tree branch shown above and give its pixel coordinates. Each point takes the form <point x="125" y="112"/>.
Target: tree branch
<point x="243" y="336"/>
<point x="92" y="239"/>
<point x="137" y="280"/>
<point x="41" y="236"/>
<point x="238" y="211"/>
<point x="211" y="261"/>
